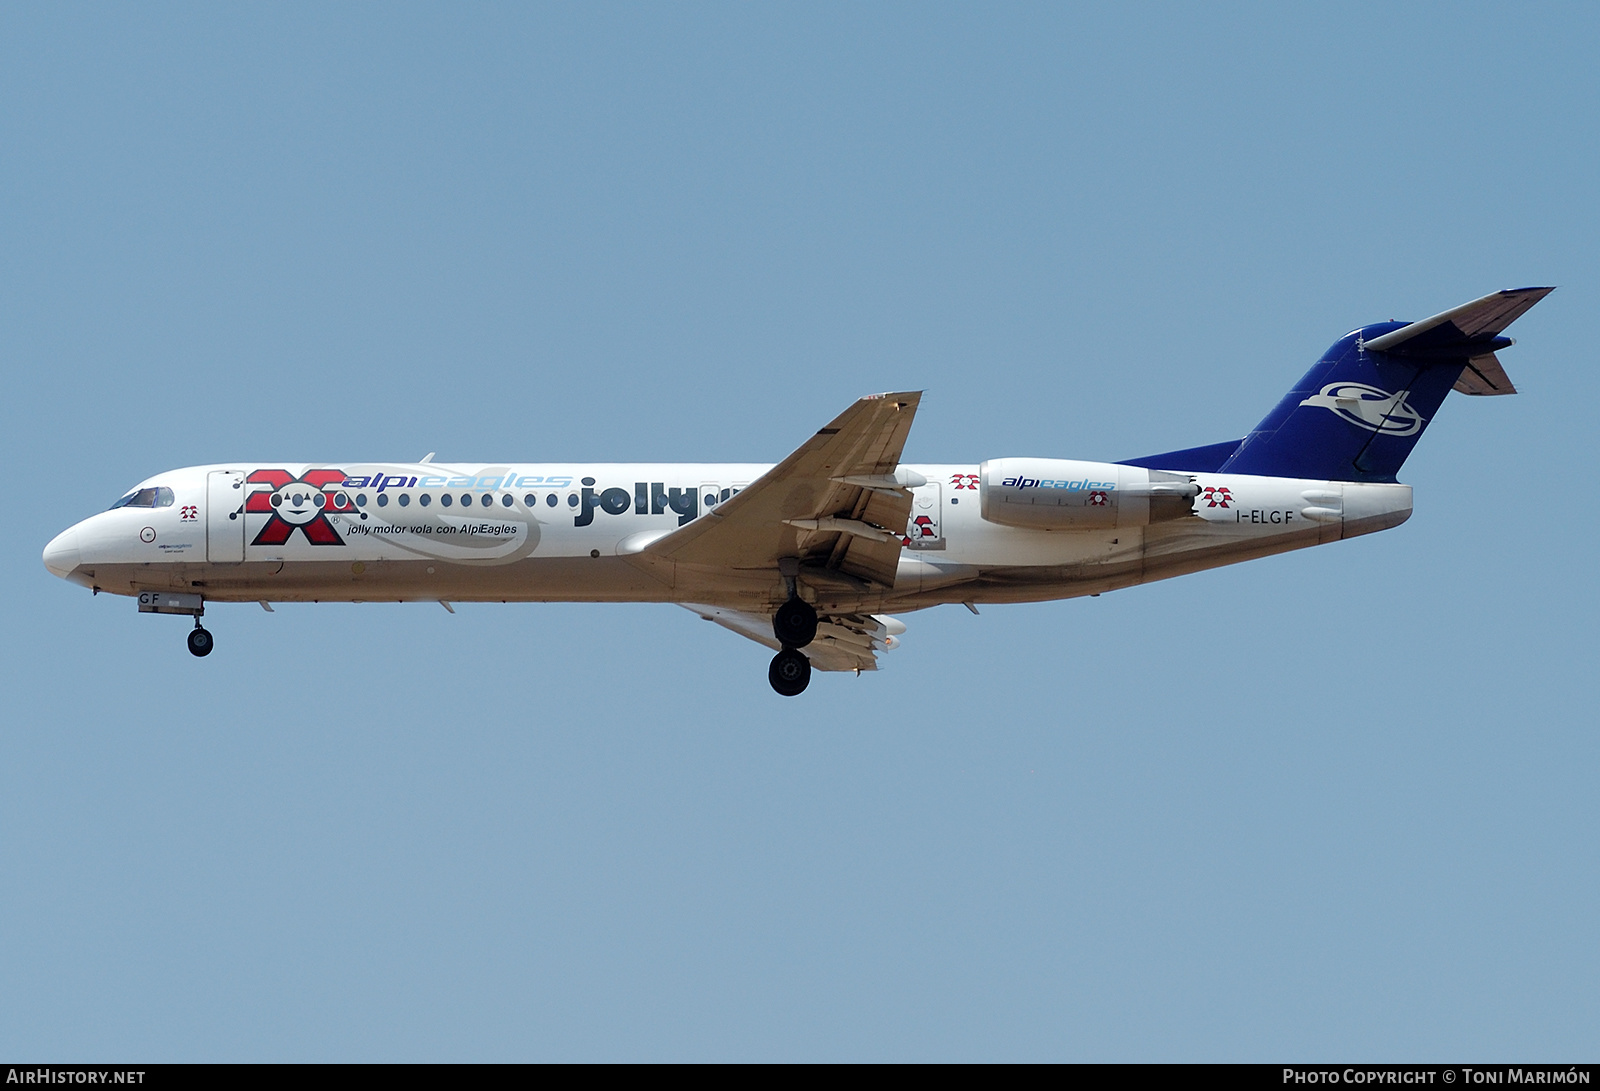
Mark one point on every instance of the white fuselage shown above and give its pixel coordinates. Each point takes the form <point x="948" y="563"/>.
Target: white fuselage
<point x="578" y="532"/>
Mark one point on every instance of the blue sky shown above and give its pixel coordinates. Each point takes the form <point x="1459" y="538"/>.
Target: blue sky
<point x="1334" y="804"/>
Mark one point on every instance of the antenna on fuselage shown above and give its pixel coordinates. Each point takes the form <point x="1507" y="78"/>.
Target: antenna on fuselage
<point x="427" y="458"/>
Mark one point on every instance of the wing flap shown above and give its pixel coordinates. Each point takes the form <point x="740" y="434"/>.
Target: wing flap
<point x="847" y="643"/>
<point x="873" y="560"/>
<point x="891" y="510"/>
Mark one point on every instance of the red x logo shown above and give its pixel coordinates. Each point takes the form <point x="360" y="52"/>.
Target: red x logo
<point x="297" y="503"/>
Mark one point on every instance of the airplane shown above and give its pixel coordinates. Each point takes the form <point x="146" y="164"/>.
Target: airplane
<point x="810" y="557"/>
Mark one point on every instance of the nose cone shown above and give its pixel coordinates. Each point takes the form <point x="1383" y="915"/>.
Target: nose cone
<point x="61" y="556"/>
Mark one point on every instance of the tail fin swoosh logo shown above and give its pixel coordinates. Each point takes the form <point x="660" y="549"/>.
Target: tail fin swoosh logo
<point x="1370" y="408"/>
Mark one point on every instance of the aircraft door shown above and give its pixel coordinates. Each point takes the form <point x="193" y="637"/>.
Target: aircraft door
<point x="923" y="529"/>
<point x="224" y="516"/>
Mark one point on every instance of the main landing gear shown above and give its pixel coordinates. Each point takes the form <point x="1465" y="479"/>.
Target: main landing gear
<point x="795" y="623"/>
<point x="790" y="673"/>
<point x="795" y="626"/>
<point x="199" y="639"/>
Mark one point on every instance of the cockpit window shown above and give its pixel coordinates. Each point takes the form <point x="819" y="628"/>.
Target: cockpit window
<point x="145" y="498"/>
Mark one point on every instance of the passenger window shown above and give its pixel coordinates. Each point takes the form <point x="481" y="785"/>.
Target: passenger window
<point x="424" y="499"/>
<point x="444" y="500"/>
<point x="405" y="499"/>
<point x="530" y="500"/>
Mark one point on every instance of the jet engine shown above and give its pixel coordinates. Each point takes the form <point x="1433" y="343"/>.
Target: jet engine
<point x="1062" y="494"/>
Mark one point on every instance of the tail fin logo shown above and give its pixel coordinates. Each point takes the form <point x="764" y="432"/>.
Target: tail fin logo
<point x="1370" y="408"/>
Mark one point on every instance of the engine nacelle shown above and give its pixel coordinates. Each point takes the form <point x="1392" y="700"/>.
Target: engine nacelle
<point x="1063" y="494"/>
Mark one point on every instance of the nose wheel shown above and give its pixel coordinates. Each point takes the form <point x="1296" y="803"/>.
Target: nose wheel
<point x="200" y="640"/>
<point x="789" y="673"/>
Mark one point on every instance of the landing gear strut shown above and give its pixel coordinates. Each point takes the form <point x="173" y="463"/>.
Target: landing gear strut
<point x="790" y="673"/>
<point x="199" y="639"/>
<point x="795" y="626"/>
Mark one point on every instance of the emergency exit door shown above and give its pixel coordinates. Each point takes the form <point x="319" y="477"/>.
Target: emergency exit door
<point x="224" y="516"/>
<point x="923" y="528"/>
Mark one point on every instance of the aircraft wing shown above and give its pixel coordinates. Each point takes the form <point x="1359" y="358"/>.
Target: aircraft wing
<point x="837" y="504"/>
<point x="848" y="642"/>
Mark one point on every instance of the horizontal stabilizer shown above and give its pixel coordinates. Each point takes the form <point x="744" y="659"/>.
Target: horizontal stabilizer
<point x="1460" y="330"/>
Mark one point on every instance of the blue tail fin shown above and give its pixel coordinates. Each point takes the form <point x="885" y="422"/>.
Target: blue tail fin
<point x="1357" y="414"/>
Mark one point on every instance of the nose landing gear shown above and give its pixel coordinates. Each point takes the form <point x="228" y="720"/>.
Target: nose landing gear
<point x="200" y="643"/>
<point x="180" y="602"/>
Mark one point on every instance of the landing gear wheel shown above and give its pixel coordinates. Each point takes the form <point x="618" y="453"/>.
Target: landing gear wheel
<point x="199" y="641"/>
<point x="795" y="623"/>
<point x="790" y="673"/>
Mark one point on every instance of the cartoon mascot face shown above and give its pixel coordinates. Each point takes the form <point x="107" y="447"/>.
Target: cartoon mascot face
<point x="298" y="503"/>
